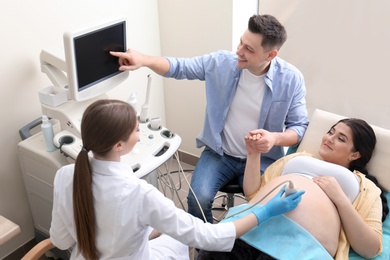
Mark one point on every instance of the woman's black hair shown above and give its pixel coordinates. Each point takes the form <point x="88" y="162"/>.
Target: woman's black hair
<point x="364" y="141"/>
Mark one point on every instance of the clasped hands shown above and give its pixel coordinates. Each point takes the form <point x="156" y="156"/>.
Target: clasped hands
<point x="259" y="141"/>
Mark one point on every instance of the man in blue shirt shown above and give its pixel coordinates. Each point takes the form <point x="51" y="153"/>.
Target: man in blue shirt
<point x="250" y="91"/>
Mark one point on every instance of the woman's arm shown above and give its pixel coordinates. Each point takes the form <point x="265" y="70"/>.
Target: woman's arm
<point x="245" y="224"/>
<point x="160" y="213"/>
<point x="252" y="180"/>
<point x="363" y="238"/>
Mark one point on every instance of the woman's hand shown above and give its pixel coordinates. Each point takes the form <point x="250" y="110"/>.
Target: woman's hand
<point x="251" y="143"/>
<point x="331" y="188"/>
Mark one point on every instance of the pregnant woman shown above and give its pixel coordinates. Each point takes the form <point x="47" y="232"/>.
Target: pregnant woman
<point x="342" y="207"/>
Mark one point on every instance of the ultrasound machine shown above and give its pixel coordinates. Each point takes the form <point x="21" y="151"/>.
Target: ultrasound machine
<point x="81" y="74"/>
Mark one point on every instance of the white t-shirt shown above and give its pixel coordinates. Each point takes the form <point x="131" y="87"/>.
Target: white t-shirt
<point x="312" y="167"/>
<point x="244" y="113"/>
<point x="127" y="208"/>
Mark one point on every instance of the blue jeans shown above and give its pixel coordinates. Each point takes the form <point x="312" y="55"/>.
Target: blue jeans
<point x="211" y="173"/>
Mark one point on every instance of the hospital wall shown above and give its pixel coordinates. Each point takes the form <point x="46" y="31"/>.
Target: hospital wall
<point x="342" y="48"/>
<point x="26" y="28"/>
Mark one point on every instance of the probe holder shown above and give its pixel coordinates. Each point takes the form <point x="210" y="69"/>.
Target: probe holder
<point x="53" y="96"/>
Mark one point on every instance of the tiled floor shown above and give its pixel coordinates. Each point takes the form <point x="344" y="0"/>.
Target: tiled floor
<point x="173" y="182"/>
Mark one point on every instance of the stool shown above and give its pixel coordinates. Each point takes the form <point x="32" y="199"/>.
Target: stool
<point x="231" y="190"/>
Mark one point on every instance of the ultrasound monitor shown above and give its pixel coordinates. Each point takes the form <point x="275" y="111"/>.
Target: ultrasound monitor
<point x="90" y="69"/>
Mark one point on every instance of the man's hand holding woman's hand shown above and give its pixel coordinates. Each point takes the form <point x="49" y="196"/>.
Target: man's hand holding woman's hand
<point x="260" y="141"/>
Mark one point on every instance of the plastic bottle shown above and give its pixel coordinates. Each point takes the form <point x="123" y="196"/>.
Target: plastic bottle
<point x="48" y="134"/>
<point x="133" y="100"/>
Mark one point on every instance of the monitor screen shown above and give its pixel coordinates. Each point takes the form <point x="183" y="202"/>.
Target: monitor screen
<point x="91" y="70"/>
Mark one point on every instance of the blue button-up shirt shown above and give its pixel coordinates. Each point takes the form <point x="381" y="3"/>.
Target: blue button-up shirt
<point x="283" y="107"/>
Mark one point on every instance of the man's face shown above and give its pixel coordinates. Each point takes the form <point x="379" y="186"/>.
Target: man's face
<point x="251" y="55"/>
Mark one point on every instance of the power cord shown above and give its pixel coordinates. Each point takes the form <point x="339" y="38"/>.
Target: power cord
<point x="169" y="183"/>
<point x="189" y="186"/>
<point x="166" y="179"/>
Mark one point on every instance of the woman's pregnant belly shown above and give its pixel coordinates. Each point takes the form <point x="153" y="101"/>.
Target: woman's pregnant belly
<point x="316" y="212"/>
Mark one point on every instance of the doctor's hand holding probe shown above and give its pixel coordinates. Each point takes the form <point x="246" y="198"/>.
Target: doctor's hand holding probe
<point x="101" y="210"/>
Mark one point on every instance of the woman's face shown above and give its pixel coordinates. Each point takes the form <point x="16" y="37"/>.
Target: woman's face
<point x="337" y="146"/>
<point x="132" y="141"/>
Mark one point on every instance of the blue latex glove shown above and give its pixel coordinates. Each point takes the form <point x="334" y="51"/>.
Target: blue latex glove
<point x="278" y="205"/>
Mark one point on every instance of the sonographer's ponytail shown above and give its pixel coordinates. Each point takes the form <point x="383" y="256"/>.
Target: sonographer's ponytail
<point x="84" y="213"/>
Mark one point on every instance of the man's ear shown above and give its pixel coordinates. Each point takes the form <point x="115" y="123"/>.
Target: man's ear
<point x="272" y="54"/>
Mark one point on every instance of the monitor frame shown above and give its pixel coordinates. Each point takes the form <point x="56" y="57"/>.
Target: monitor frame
<point x="78" y="90"/>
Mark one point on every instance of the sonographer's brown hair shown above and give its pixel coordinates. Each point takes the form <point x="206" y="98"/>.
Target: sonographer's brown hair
<point x="104" y="123"/>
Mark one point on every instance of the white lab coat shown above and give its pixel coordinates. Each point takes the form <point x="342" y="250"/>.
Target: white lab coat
<point x="127" y="208"/>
